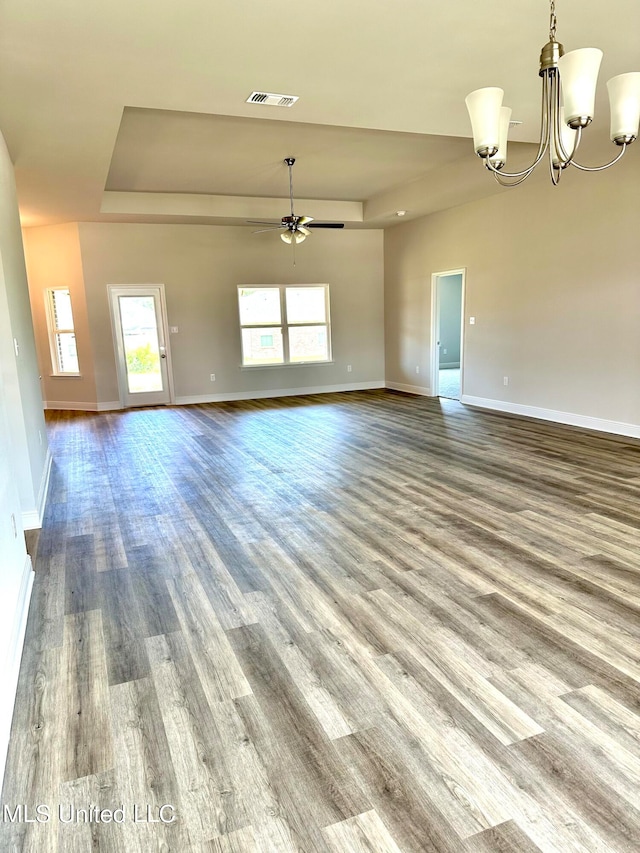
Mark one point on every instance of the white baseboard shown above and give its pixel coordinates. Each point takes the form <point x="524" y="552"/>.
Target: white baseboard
<point x="584" y="421"/>
<point x="278" y="392"/>
<point x="17" y="612"/>
<point x="32" y="519"/>
<point x="410" y="389"/>
<point x="44" y="484"/>
<point x="66" y="406"/>
<point x="223" y="398"/>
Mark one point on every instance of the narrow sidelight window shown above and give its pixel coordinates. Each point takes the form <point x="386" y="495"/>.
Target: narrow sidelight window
<point x="62" y="337"/>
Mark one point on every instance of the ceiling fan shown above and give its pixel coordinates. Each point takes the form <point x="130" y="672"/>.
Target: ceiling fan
<point x="294" y="228"/>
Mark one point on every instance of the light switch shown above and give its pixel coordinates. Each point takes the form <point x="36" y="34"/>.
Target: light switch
<point x="472" y="321"/>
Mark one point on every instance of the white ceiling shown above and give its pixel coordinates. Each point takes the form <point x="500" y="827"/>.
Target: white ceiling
<point x="146" y="100"/>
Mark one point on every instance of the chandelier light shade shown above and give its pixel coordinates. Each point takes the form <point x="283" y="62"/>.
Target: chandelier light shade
<point x="484" y="109"/>
<point x="624" y="95"/>
<point x="578" y="71"/>
<point x="569" y="83"/>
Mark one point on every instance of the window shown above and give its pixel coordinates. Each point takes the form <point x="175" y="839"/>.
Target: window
<point x="284" y="325"/>
<point x="62" y="338"/>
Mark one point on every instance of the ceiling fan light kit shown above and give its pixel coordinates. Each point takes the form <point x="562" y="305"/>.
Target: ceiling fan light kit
<point x="568" y="97"/>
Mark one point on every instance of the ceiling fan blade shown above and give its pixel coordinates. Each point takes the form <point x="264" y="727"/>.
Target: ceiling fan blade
<point x="263" y="230"/>
<point x="262" y="222"/>
<point x="325" y="225"/>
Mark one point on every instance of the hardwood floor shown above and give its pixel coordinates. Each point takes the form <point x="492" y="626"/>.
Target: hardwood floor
<point x="343" y="623"/>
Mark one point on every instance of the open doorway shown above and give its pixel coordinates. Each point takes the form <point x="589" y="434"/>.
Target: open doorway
<point x="447" y="301"/>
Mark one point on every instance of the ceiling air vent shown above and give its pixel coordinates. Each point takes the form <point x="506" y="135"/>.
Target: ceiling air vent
<point x="271" y="99"/>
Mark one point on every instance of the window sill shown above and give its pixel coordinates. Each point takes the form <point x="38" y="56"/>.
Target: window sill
<point x="281" y="366"/>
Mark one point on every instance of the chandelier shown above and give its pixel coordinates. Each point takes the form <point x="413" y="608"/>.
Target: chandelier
<point x="568" y="96"/>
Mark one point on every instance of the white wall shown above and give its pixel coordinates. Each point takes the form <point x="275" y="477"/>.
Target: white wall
<point x="23" y="446"/>
<point x="16" y="578"/>
<point x="20" y="373"/>
<point x="553" y="280"/>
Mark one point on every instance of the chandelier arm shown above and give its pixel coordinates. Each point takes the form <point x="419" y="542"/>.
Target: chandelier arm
<point x="567" y="159"/>
<point x="498" y="176"/>
<point x="555" y="173"/>
<point x="544" y="141"/>
<point x="601" y="168"/>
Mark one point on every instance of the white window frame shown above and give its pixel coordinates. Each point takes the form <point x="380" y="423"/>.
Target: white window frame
<point x="54" y="331"/>
<point x="284" y="325"/>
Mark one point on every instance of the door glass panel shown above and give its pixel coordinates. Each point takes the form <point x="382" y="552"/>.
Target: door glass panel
<point x="141" y="345"/>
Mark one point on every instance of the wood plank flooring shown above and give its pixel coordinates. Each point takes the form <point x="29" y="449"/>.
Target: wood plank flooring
<point x="331" y="624"/>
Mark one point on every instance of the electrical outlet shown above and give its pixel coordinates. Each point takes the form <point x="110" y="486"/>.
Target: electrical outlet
<point x="505" y="380"/>
<point x="472" y="321"/>
<point x="444" y="351"/>
<point x="348" y="368"/>
<point x="173" y="330"/>
<point x="417" y="368"/>
<point x="213" y="377"/>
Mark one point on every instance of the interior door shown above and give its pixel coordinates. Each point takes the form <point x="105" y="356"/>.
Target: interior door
<point x="141" y="342"/>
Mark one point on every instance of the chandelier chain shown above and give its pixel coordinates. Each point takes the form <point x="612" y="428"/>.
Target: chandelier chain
<point x="552" y="21"/>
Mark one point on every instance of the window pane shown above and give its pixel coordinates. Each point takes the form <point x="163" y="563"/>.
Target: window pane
<point x="67" y="353"/>
<point x="259" y="305"/>
<point x="141" y="347"/>
<point x="308" y="343"/>
<point x="62" y="316"/>
<point x="306" y="305"/>
<point x="262" y="346"/>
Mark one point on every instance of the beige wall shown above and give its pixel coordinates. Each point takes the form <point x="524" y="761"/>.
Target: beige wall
<point x="54" y="260"/>
<point x="553" y="280"/>
<point x="200" y="267"/>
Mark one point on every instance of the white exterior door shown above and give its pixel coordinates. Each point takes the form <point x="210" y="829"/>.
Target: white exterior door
<point x="139" y="319"/>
